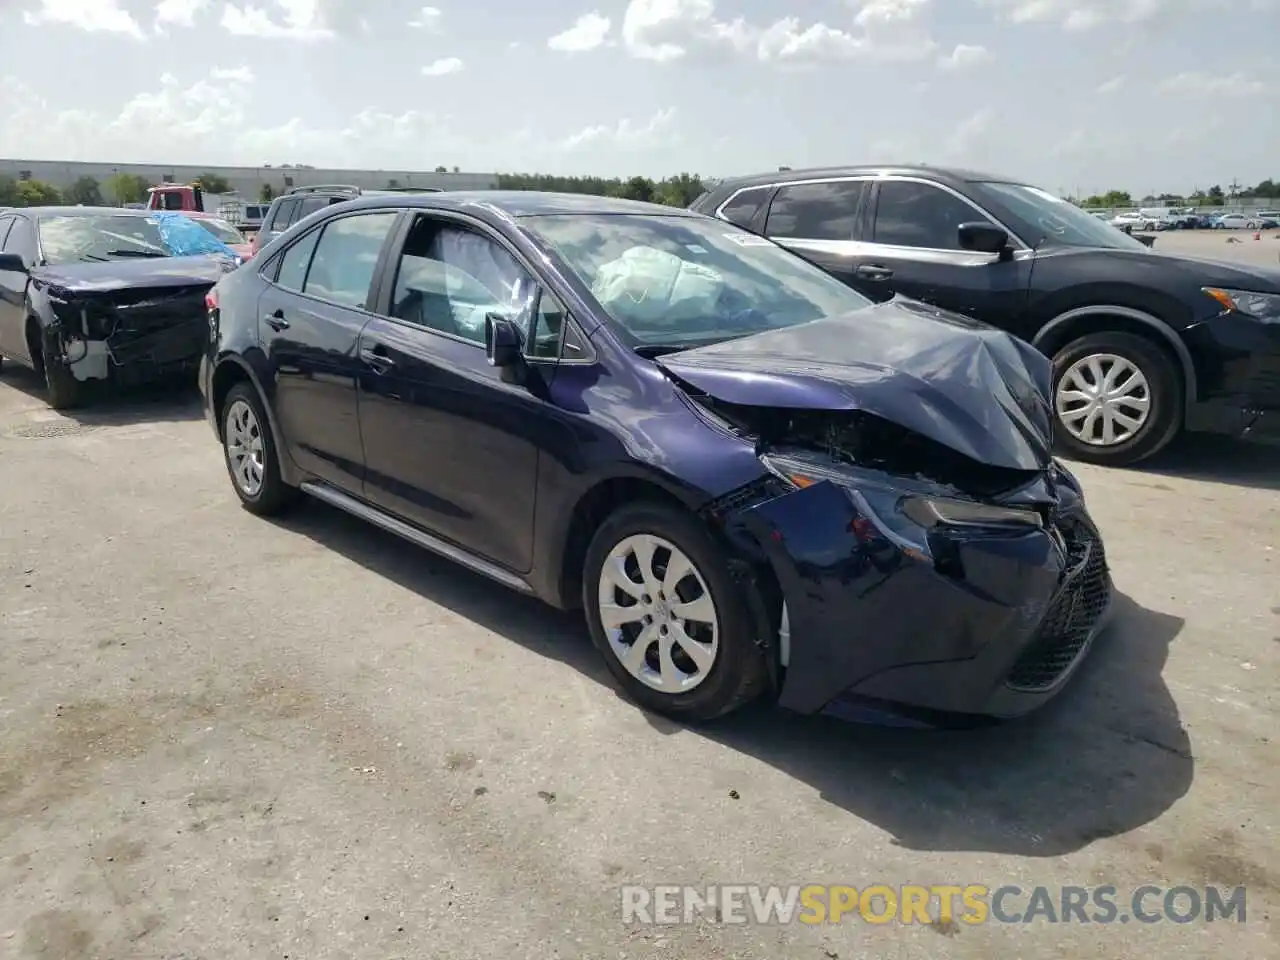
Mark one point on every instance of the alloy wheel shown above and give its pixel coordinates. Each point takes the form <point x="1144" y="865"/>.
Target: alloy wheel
<point x="1103" y="399"/>
<point x="245" y="448"/>
<point x="658" y="614"/>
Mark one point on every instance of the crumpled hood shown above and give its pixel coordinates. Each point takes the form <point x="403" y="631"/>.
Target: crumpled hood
<point x="141" y="272"/>
<point x="971" y="387"/>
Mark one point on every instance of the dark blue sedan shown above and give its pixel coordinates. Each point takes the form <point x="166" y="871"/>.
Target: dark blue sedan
<point x="752" y="480"/>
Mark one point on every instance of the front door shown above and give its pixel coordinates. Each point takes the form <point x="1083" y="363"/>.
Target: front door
<point x="913" y="249"/>
<point x="449" y="445"/>
<point x="17" y="235"/>
<point x="309" y="322"/>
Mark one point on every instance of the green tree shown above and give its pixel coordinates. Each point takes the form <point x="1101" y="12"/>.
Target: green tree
<point x="680" y="190"/>
<point x="1267" y="188"/>
<point x="442" y="169"/>
<point x="1112" y="198"/>
<point x="37" y="193"/>
<point x="127" y="188"/>
<point x="213" y="183"/>
<point x="266" y="193"/>
<point x="86" y="191"/>
<point x="8" y="192"/>
<point x="638" y="188"/>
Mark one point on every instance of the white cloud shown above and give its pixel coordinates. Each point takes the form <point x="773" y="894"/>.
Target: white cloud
<point x="179" y="13"/>
<point x="1233" y="85"/>
<point x="1081" y="15"/>
<point x="964" y="55"/>
<point x="667" y="30"/>
<point x="588" y="32"/>
<point x="1112" y="85"/>
<point x="95" y="16"/>
<point x="442" y="67"/>
<point x="968" y="135"/>
<point x="212" y="121"/>
<point x="299" y="20"/>
<point x="626" y="132"/>
<point x="428" y="18"/>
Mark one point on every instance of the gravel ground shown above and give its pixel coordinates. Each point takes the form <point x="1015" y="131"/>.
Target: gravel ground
<point x="223" y="737"/>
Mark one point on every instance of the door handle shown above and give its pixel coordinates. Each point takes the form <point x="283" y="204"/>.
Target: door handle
<point x="276" y="321"/>
<point x="376" y="357"/>
<point x="873" y="271"/>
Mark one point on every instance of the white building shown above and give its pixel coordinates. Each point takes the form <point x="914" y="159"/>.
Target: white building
<point x="246" y="181"/>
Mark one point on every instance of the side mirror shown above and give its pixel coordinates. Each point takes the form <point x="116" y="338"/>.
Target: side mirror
<point x="984" y="238"/>
<point x="501" y="342"/>
<point x="12" y="263"/>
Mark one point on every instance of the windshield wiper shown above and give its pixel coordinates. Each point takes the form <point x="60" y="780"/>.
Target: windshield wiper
<point x="136" y="253"/>
<point x="651" y="350"/>
<point x="93" y="258"/>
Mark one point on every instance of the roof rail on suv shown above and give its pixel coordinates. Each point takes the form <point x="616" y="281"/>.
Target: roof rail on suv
<point x="325" y="188"/>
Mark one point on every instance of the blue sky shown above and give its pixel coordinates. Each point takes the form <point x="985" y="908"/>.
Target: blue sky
<point x="1146" y="95"/>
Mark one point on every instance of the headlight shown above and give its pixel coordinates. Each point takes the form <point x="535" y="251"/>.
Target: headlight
<point x="1263" y="306"/>
<point x="922" y="508"/>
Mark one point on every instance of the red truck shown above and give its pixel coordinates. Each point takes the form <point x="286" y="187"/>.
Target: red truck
<point x="177" y="196"/>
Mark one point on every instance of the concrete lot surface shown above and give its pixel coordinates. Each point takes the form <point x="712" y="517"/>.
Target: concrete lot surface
<point x="224" y="738"/>
<point x="1232" y="245"/>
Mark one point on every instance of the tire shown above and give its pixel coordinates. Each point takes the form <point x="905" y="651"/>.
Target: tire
<point x="255" y="476"/>
<point x="736" y="672"/>
<point x="62" y="390"/>
<point x="1164" y="393"/>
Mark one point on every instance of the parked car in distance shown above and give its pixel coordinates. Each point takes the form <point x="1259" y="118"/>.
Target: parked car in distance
<point x="96" y="294"/>
<point x="1231" y="221"/>
<point x="1144" y="344"/>
<point x="1133" y="220"/>
<point x="225" y="232"/>
<point x="750" y="477"/>
<point x="300" y="202"/>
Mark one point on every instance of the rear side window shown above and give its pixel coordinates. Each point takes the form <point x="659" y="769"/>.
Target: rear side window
<point x="293" y="265"/>
<point x="742" y="208"/>
<point x="342" y="268"/>
<point x="815" y="211"/>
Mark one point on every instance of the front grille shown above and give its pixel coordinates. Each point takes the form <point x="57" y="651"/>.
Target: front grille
<point x="1072" y="615"/>
<point x="757" y="491"/>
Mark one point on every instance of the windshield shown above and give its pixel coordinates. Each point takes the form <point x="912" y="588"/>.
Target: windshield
<point x="1060" y="221"/>
<point x="680" y="281"/>
<point x="222" y="230"/>
<point x="116" y="237"/>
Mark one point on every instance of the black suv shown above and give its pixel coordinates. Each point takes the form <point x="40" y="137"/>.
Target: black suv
<point x="298" y="203"/>
<point x="1144" y="344"/>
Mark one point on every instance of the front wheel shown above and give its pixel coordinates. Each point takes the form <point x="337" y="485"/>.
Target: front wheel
<point x="1117" y="398"/>
<point x="673" y="627"/>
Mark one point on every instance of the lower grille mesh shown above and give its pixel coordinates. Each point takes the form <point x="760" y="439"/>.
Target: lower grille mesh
<point x="1072" y="615"/>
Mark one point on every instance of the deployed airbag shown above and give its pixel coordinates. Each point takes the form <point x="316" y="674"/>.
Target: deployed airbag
<point x="646" y="285"/>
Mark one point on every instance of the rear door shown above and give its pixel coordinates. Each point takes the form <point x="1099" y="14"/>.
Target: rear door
<point x="819" y="220"/>
<point x="310" y="318"/>
<point x="913" y="248"/>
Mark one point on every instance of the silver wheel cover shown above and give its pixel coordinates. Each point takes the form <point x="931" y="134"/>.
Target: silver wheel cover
<point x="244" y="448"/>
<point x="1103" y="400"/>
<point x="658" y="614"/>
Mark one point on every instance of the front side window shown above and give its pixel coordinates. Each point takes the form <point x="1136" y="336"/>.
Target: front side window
<point x="309" y="206"/>
<point x="284" y="210"/>
<point x="22" y="241"/>
<point x="5" y="224"/>
<point x="913" y="214"/>
<point x="449" y="279"/>
<point x="815" y="211"/>
<point x="345" y="257"/>
<point x="674" y="281"/>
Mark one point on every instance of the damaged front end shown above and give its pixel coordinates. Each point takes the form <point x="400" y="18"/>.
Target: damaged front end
<point x="128" y="334"/>
<point x="916" y="579"/>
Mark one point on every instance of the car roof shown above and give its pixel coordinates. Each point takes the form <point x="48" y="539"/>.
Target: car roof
<point x="522" y="203"/>
<point x="941" y="174"/>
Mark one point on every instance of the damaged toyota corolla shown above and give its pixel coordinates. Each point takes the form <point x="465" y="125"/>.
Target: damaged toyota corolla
<point x="753" y="480"/>
<point x="99" y="294"/>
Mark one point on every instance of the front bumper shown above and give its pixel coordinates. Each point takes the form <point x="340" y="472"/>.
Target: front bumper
<point x="1238" y="361"/>
<point x="988" y="621"/>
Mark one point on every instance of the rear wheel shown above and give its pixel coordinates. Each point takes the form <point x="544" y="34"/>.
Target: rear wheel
<point x="1117" y="398"/>
<point x="662" y="609"/>
<point x="250" y="453"/>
